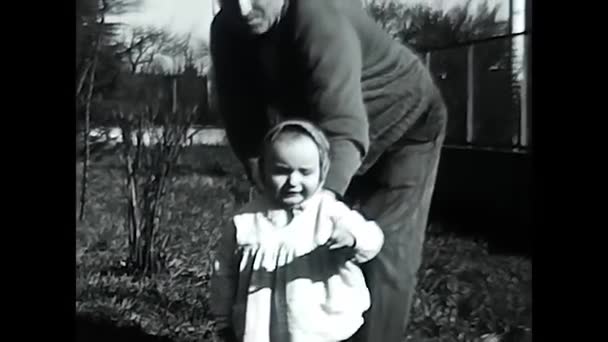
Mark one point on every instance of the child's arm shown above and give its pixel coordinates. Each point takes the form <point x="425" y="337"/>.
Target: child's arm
<point x="367" y="237"/>
<point x="224" y="279"/>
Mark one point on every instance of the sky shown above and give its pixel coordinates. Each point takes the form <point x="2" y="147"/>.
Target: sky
<point x="177" y="16"/>
<point x="194" y="16"/>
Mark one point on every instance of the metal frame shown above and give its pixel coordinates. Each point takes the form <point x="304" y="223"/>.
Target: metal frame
<point x="523" y="136"/>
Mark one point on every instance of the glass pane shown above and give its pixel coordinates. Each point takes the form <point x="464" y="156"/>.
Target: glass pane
<point x="449" y="68"/>
<point x="496" y="104"/>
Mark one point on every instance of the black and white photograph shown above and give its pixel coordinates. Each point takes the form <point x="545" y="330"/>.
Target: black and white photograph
<point x="304" y="171"/>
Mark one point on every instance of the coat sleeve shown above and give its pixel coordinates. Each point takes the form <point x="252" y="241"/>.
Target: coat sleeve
<point x="224" y="278"/>
<point x="369" y="238"/>
<point x="332" y="56"/>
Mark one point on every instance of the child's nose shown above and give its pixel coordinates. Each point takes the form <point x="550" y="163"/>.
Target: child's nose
<point x="295" y="178"/>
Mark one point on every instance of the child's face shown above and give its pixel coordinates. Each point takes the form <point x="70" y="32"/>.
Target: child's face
<point x="292" y="172"/>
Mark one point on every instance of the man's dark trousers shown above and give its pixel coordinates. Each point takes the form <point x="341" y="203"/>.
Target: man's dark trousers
<point x="396" y="192"/>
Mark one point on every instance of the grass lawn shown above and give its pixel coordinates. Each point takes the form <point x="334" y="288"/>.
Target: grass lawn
<point x="464" y="293"/>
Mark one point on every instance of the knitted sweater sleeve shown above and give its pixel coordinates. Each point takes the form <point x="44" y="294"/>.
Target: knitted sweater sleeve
<point x="332" y="57"/>
<point x="240" y="105"/>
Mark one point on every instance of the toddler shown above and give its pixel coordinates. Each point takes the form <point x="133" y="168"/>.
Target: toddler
<point x="286" y="268"/>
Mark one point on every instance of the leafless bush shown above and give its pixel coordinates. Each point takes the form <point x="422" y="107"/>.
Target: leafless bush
<point x="147" y="171"/>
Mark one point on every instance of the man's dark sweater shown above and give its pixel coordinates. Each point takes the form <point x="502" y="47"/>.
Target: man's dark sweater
<point x="328" y="62"/>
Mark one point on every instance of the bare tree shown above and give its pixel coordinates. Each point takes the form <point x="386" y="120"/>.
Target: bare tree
<point x="142" y="47"/>
<point x="87" y="130"/>
<point x="92" y="33"/>
<point x="91" y="68"/>
<point x="201" y="55"/>
<point x="89" y="28"/>
<point x="145" y="47"/>
<point x="177" y="48"/>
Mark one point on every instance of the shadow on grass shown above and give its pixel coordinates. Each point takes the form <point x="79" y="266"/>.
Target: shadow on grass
<point x="89" y="329"/>
<point x="504" y="237"/>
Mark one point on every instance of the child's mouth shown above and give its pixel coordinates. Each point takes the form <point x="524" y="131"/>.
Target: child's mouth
<point x="291" y="194"/>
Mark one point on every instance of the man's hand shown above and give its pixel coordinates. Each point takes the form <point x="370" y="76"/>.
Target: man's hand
<point x="340" y="237"/>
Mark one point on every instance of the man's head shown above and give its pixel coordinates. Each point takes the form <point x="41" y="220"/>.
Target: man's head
<point x="261" y="15"/>
<point x="294" y="163"/>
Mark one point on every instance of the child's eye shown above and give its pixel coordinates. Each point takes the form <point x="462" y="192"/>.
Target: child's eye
<point x="281" y="170"/>
<point x="306" y="172"/>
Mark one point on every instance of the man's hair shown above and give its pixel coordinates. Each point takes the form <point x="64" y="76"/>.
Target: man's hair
<point x="295" y="128"/>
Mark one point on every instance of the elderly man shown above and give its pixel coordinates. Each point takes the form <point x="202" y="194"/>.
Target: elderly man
<point x="328" y="62"/>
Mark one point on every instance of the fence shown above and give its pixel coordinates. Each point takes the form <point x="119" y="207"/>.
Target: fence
<point x="168" y="92"/>
<point x="485" y="85"/>
<point x="197" y="135"/>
